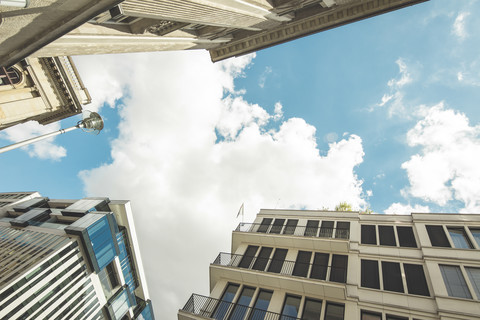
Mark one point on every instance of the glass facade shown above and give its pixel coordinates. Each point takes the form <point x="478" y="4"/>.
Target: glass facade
<point x="102" y="242"/>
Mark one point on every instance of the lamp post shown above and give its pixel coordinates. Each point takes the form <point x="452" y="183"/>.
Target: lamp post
<point x="93" y="123"/>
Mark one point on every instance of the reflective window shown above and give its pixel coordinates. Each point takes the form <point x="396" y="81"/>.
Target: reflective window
<point x="120" y="305"/>
<point x="102" y="242"/>
<point x="224" y="305"/>
<point x="474" y="276"/>
<point x="334" y="311"/>
<point x="261" y="305"/>
<point x="312" y="309"/>
<point x="459" y="238"/>
<point x="241" y="307"/>
<point x="290" y="308"/>
<point x="476" y="235"/>
<point x="454" y="281"/>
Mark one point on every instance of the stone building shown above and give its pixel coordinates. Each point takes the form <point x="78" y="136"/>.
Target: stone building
<point x="345" y="265"/>
<point x="40" y="89"/>
<point x="70" y="259"/>
<point x="226" y="28"/>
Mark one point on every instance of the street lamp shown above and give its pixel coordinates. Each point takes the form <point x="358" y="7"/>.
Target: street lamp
<point x="93" y="123"/>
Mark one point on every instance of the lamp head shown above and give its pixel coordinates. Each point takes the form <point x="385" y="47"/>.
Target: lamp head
<point x="92" y="122"/>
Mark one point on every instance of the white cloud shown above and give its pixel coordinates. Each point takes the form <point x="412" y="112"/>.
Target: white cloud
<point x="44" y="149"/>
<point x="263" y="77"/>
<point x="445" y="169"/>
<point x="458" y="28"/>
<point x="398" y="208"/>
<point x="278" y="111"/>
<point x="186" y="186"/>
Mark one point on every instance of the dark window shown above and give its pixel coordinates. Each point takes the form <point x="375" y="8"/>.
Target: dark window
<point x="277" y="260"/>
<point x="290" y="308"/>
<point x="277" y="226"/>
<point x="290" y="227"/>
<point x="312" y="228"/>
<point x="261" y="305"/>
<point x="406" y="237"/>
<point x="248" y="257"/>
<point x="437" y="236"/>
<point x="416" y="282"/>
<point x="343" y="230"/>
<point x="386" y="235"/>
<point x="241" y="307"/>
<point x="338" y="272"/>
<point x="9" y="76"/>
<point x="326" y="231"/>
<point x="302" y="264"/>
<point x="454" y="281"/>
<point x="224" y="305"/>
<point x="476" y="235"/>
<point x="262" y="259"/>
<point x="334" y="311"/>
<point x="392" y="276"/>
<point x="320" y="266"/>
<point x="366" y="315"/>
<point x="390" y="317"/>
<point x="264" y="225"/>
<point x="370" y="277"/>
<point x="312" y="309"/>
<point x="460" y="238"/>
<point x="369" y="235"/>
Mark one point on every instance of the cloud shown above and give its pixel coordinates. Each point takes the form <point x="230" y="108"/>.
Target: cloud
<point x="398" y="208"/>
<point x="444" y="170"/>
<point x="189" y="152"/>
<point x="458" y="27"/>
<point x="263" y="77"/>
<point x="44" y="149"/>
<point x="278" y="111"/>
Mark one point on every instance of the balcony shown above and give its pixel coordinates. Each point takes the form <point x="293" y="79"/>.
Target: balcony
<point x="308" y="238"/>
<point x="201" y="307"/>
<point x="283" y="267"/>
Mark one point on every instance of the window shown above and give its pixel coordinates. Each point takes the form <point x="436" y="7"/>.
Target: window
<point x="248" y="257"/>
<point x="406" y="237"/>
<point x="277" y="260"/>
<point x="261" y="305"/>
<point x="476" y="234"/>
<point x="241" y="307"/>
<point x="366" y="315"/>
<point x="387" y="236"/>
<point x="369" y="274"/>
<point x="262" y="259"/>
<point x="224" y="305"/>
<point x="290" y="307"/>
<point x="334" y="311"/>
<point x="390" y="317"/>
<point x="312" y="228"/>
<point x="320" y="266"/>
<point x="437" y="236"/>
<point x="326" y="231"/>
<point x="474" y="276"/>
<point x="338" y="272"/>
<point x="264" y="225"/>
<point x="369" y="235"/>
<point x="454" y="281"/>
<point x="302" y="264"/>
<point x="392" y="276"/>
<point x="416" y="281"/>
<point x="343" y="230"/>
<point x="290" y="227"/>
<point x="277" y="226"/>
<point x="9" y="76"/>
<point x="459" y="238"/>
<point x="312" y="309"/>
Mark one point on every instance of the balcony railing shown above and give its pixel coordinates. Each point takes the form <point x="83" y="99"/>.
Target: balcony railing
<point x="283" y="267"/>
<point x="223" y="310"/>
<point x="305" y="231"/>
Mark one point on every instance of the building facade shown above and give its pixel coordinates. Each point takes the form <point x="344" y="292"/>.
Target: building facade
<point x="346" y="265"/>
<point x="70" y="259"/>
<point x="40" y="89"/>
<point x="226" y="28"/>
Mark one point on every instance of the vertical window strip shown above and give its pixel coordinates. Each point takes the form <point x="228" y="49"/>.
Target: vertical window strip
<point x="474" y="276"/>
<point x="454" y="281"/>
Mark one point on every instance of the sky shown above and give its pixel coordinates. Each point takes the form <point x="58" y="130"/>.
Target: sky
<point x="382" y="113"/>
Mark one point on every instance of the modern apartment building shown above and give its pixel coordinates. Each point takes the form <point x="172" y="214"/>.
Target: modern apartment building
<point x="305" y="264"/>
<point x="70" y="259"/>
<point x="226" y="28"/>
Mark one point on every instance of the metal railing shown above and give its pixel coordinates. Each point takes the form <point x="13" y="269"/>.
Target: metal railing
<point x="283" y="267"/>
<point x="223" y="310"/>
<point x="320" y="232"/>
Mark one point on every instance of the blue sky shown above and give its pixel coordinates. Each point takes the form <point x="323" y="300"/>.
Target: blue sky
<point x="382" y="113"/>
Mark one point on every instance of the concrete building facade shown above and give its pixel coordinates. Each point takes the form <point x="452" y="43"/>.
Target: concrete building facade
<point x="226" y="28"/>
<point x="40" y="89"/>
<point x="346" y="265"/>
<point x="70" y="259"/>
